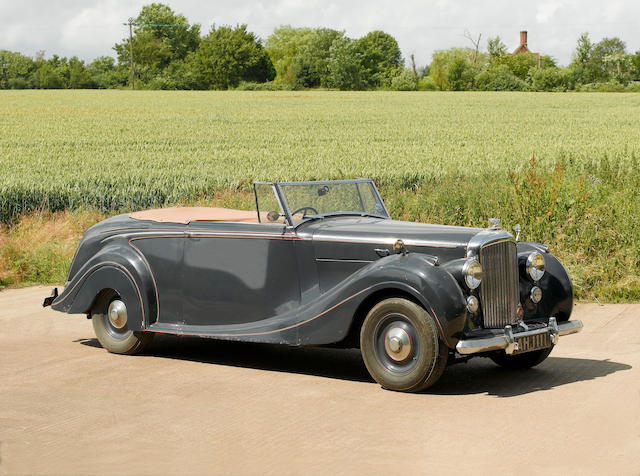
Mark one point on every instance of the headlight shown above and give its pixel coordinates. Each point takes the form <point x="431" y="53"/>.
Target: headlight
<point x="472" y="272"/>
<point x="535" y="266"/>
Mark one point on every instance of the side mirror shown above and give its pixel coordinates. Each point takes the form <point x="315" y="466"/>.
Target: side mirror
<point x="273" y="215"/>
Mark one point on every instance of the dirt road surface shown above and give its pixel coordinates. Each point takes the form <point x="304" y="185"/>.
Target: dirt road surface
<point x="197" y="406"/>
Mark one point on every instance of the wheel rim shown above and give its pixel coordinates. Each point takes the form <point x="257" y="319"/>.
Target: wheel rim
<point x="397" y="345"/>
<point x="117" y="313"/>
<point x="116" y="319"/>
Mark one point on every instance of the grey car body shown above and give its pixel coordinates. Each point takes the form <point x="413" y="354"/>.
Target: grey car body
<point x="312" y="281"/>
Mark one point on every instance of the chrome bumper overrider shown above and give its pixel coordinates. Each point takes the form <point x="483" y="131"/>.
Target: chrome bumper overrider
<point x="508" y="340"/>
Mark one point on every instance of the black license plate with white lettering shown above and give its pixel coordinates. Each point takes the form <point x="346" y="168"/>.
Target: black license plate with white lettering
<point x="534" y="342"/>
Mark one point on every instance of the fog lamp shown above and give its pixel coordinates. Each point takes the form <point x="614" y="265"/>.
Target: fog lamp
<point x="535" y="294"/>
<point x="472" y="304"/>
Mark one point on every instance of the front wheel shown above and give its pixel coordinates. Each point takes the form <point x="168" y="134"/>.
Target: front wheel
<point x="521" y="361"/>
<point x="109" y="319"/>
<point x="401" y="347"/>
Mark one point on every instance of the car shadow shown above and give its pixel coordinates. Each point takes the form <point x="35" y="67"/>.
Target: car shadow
<point x="474" y="377"/>
<point x="481" y="375"/>
<point x="342" y="364"/>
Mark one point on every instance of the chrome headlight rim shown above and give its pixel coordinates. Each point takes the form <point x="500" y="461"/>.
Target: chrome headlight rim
<point x="472" y="273"/>
<point x="536" y="266"/>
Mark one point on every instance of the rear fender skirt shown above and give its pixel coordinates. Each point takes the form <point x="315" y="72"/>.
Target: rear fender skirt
<point x="116" y="267"/>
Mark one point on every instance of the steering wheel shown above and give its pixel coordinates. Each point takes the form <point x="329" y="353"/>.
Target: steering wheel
<point x="315" y="212"/>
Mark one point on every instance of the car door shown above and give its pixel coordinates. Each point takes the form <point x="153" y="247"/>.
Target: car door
<point x="238" y="273"/>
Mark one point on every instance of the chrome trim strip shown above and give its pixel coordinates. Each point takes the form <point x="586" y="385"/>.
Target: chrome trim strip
<point x="384" y="241"/>
<point x="332" y="260"/>
<point x="507" y="341"/>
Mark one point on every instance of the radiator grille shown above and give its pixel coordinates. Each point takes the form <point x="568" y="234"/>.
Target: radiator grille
<point x="499" y="293"/>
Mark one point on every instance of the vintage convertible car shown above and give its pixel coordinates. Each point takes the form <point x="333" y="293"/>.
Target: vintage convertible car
<point x="322" y="263"/>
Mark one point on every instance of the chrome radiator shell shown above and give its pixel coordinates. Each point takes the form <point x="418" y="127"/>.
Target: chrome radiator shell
<point x="499" y="291"/>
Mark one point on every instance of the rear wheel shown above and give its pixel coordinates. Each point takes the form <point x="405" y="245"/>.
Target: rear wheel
<point x="401" y="347"/>
<point x="521" y="361"/>
<point x="109" y="319"/>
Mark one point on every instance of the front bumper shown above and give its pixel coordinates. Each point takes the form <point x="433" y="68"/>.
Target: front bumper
<point x="508" y="340"/>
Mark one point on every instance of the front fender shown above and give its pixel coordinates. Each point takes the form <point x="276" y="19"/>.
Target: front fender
<point x="119" y="267"/>
<point x="433" y="286"/>
<point x="557" y="289"/>
<point x="414" y="274"/>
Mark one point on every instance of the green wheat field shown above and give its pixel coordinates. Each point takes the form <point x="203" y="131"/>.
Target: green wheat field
<point x="564" y="166"/>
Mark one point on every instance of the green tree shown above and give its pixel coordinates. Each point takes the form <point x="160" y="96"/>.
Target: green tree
<point x="380" y="57"/>
<point x="635" y="66"/>
<point x="610" y="59"/>
<point x="156" y="45"/>
<point x="79" y="77"/>
<point x="105" y="74"/>
<point x="496" y="48"/>
<point x="345" y="65"/>
<point x="602" y="61"/>
<point x="15" y="70"/>
<point x="460" y="75"/>
<point x="456" y="61"/>
<point x="283" y="46"/>
<point x="229" y="55"/>
<point x="48" y="77"/>
<point x="310" y="66"/>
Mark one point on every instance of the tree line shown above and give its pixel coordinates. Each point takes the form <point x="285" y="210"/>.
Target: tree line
<point x="171" y="53"/>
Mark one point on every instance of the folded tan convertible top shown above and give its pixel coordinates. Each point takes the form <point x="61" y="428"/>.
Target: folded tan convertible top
<point x="189" y="214"/>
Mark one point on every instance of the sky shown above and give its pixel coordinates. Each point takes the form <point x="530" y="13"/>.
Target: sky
<point x="89" y="29"/>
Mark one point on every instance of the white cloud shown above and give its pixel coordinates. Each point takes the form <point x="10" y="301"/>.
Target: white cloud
<point x="88" y="30"/>
<point x="546" y="10"/>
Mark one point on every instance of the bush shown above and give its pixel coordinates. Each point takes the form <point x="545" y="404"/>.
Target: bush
<point x="427" y="84"/>
<point x="17" y="83"/>
<point x="500" y="79"/>
<point x="404" y="81"/>
<point x="267" y="86"/>
<point x="547" y="79"/>
<point x="611" y="86"/>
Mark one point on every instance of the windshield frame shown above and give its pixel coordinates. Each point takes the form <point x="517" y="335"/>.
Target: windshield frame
<point x="280" y="195"/>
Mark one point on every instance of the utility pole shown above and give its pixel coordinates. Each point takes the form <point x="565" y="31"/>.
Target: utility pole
<point x="131" y="23"/>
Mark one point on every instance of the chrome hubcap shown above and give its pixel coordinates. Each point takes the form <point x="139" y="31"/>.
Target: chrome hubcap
<point x="397" y="344"/>
<point x="117" y="314"/>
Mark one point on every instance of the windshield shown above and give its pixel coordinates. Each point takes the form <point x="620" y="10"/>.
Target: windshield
<point x="313" y="199"/>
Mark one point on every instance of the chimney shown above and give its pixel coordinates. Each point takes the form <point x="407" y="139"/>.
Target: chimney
<point x="523" y="38"/>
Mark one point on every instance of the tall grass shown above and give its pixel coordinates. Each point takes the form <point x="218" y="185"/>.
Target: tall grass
<point x="564" y="166"/>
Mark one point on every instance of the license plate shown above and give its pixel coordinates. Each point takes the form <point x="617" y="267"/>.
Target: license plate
<point x="534" y="342"/>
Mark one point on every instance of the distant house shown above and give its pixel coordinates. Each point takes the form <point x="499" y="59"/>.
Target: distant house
<point x="524" y="48"/>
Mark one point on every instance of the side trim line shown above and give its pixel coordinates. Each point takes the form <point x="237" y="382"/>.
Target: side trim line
<point x="107" y="263"/>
